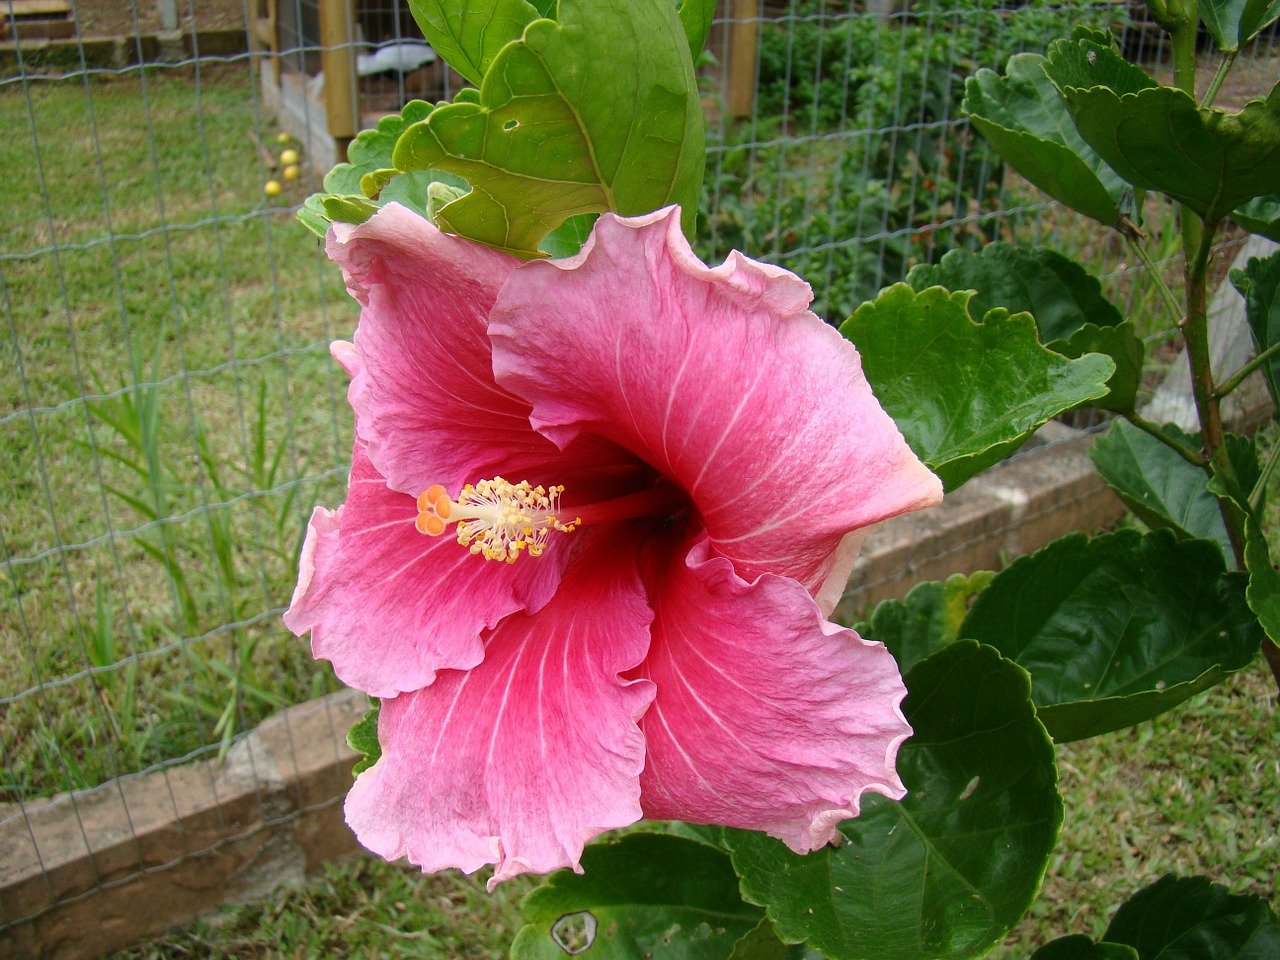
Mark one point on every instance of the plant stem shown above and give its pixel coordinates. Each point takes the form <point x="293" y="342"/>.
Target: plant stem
<point x="1272" y="653"/>
<point x="1242" y="374"/>
<point x="1195" y="331"/>
<point x="1224" y="67"/>
<point x="1259" y="491"/>
<point x="1170" y="301"/>
<point x="1182" y="450"/>
<point x="1183" y="39"/>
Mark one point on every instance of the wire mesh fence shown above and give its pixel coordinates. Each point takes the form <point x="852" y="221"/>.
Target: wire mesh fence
<point x="170" y="413"/>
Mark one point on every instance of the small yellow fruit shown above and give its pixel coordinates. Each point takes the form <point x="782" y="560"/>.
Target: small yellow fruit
<point x="292" y="172"/>
<point x="272" y="188"/>
<point x="289" y="157"/>
<point x="283" y="138"/>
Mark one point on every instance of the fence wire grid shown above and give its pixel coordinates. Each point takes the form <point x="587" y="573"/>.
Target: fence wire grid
<point x="170" y="414"/>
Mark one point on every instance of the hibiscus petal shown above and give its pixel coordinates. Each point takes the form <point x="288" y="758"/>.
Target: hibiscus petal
<point x="767" y="717"/>
<point x="423" y="389"/>
<point x="524" y="758"/>
<point x="721" y="380"/>
<point x="390" y="606"/>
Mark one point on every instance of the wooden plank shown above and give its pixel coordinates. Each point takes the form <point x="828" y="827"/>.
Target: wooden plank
<point x="263" y="34"/>
<point x="339" y="64"/>
<point x="92" y="872"/>
<point x="43" y="9"/>
<point x="44" y="29"/>
<point x="744" y="42"/>
<point x="266" y="34"/>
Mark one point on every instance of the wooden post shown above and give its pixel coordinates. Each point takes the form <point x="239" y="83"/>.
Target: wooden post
<point x="264" y="35"/>
<point x="337" y="59"/>
<point x="744" y="45"/>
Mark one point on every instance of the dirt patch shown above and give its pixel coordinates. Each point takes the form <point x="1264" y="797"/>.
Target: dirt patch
<point x="108" y="18"/>
<point x="1251" y="78"/>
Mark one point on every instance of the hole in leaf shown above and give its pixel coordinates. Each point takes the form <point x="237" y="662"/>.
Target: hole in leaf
<point x="574" y="932"/>
<point x="511" y="125"/>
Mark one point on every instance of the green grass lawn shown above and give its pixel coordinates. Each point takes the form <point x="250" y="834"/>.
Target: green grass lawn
<point x="168" y="415"/>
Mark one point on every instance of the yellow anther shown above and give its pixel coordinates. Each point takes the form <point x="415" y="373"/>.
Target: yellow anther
<point x="496" y="519"/>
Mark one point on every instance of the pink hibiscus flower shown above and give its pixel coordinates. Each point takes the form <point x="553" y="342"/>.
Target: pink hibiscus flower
<point x="691" y="462"/>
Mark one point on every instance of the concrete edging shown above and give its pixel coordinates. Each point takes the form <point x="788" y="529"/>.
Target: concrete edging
<point x="125" y="50"/>
<point x="95" y="871"/>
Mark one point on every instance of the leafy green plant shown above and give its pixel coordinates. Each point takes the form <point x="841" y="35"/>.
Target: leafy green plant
<point x="890" y="162"/>
<point x="263" y="470"/>
<point x="540" y="83"/>
<point x="134" y="416"/>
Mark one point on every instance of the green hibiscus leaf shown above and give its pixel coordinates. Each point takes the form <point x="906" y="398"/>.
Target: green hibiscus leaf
<point x="1261" y="215"/>
<point x="1125" y="348"/>
<point x="762" y="943"/>
<point x="1259" y="284"/>
<point x="1117" y="629"/>
<point x="1190" y="918"/>
<point x="347" y="209"/>
<point x="1024" y="118"/>
<point x="642" y="896"/>
<point x="1263" y="594"/>
<point x="947" y="871"/>
<point x="568" y="238"/>
<point x="344" y="198"/>
<point x="965" y="395"/>
<point x="1242" y="453"/>
<point x="363" y="739"/>
<point x="1158" y="485"/>
<point x="1089" y="60"/>
<point x="541" y="144"/>
<point x="1233" y="23"/>
<point x="312" y="216"/>
<point x="414" y="190"/>
<point x="708" y="833"/>
<point x="1080" y="947"/>
<point x="372" y="148"/>
<point x="1057" y="291"/>
<point x="696" y="17"/>
<point x="469" y="34"/>
<point x="926" y="619"/>
<point x="1179" y="919"/>
<point x="1072" y="315"/>
<point x="371" y="184"/>
<point x="1159" y="138"/>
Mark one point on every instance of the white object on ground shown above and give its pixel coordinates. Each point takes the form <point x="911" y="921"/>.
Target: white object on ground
<point x="403" y="56"/>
